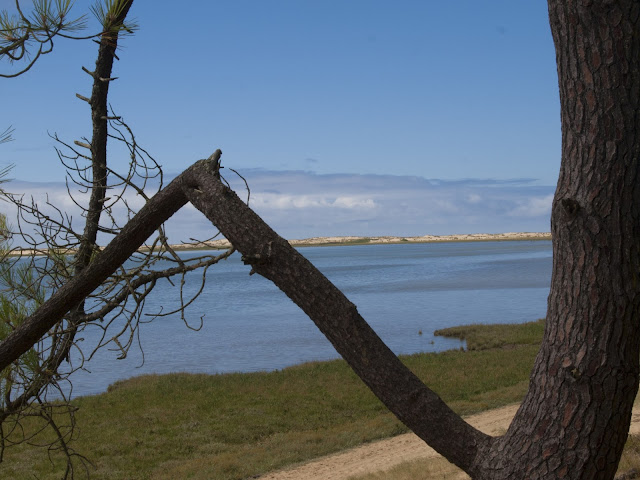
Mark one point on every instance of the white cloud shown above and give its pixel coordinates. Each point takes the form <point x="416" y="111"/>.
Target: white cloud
<point x="282" y="202"/>
<point x="299" y="204"/>
<point x="474" y="198"/>
<point x="354" y="203"/>
<point x="302" y="204"/>
<point x="534" y="207"/>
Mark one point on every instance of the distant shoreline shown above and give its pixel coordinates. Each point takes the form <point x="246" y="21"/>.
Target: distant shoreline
<point x="224" y="244"/>
<point x="379" y="240"/>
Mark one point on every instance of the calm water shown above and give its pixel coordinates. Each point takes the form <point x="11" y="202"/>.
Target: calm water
<point x="250" y="325"/>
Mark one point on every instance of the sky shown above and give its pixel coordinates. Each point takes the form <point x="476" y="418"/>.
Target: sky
<point x="359" y="117"/>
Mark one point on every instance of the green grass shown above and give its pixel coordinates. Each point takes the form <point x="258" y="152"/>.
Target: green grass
<point x="241" y="425"/>
<point x="483" y="337"/>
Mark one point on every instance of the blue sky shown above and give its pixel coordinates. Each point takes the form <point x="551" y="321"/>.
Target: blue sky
<point x="351" y="117"/>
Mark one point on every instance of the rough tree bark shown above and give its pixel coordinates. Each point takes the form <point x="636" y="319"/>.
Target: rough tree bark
<point x="574" y="420"/>
<point x="575" y="417"/>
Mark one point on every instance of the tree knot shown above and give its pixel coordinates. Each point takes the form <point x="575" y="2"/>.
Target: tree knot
<point x="257" y="259"/>
<point x="573" y="371"/>
<point x="571" y="206"/>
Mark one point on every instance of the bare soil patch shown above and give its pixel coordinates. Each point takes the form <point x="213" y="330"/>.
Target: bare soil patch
<point x="385" y="454"/>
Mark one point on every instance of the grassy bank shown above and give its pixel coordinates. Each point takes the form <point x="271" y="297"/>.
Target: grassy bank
<point x="241" y="425"/>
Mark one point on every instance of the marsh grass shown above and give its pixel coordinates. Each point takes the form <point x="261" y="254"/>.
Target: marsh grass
<point x="483" y="337"/>
<point x="237" y="426"/>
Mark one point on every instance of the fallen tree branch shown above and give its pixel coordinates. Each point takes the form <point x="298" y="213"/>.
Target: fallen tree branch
<point x="337" y="318"/>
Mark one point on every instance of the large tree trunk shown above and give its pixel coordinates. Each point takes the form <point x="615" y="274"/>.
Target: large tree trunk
<point x="575" y="418"/>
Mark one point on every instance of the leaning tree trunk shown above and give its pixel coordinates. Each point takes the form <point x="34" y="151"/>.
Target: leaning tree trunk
<point x="575" y="418"/>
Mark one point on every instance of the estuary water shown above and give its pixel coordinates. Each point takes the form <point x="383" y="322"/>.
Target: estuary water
<point x="404" y="291"/>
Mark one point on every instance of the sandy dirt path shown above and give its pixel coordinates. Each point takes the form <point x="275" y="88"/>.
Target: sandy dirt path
<point x="385" y="454"/>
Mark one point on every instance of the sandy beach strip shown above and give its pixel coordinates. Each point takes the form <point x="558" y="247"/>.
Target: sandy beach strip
<point x="222" y="244"/>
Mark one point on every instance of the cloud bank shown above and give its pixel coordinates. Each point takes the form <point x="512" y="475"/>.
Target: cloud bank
<point x="301" y="204"/>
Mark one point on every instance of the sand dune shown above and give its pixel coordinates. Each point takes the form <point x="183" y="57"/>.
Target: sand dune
<point x="318" y="241"/>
